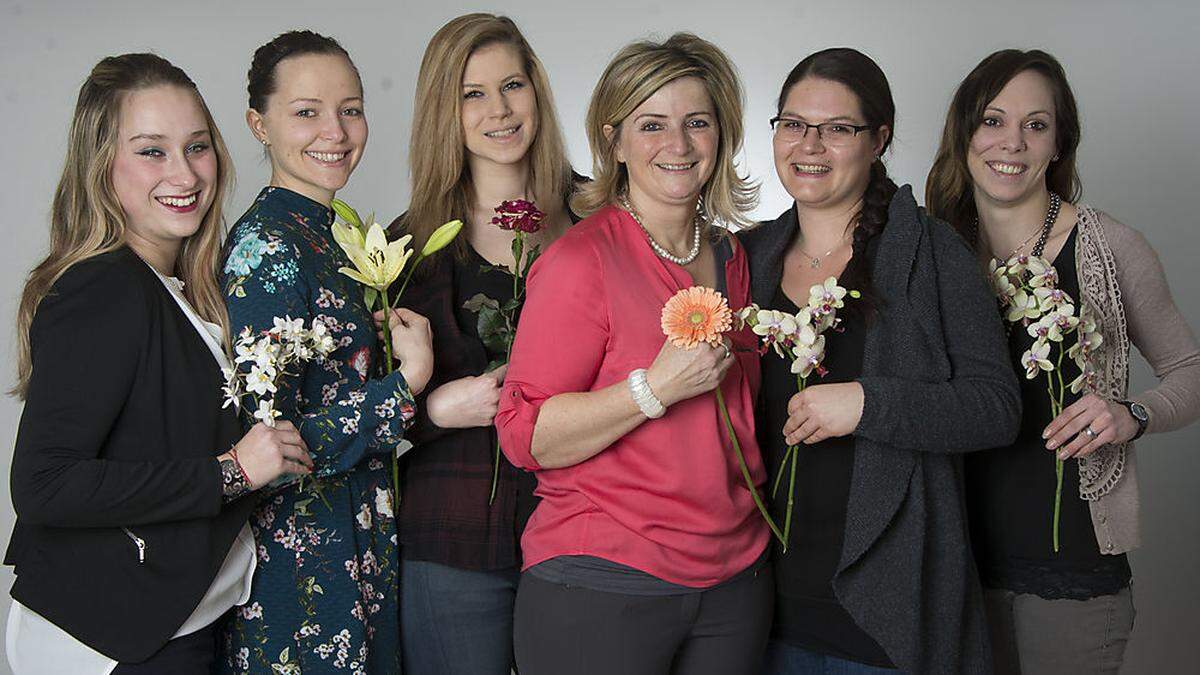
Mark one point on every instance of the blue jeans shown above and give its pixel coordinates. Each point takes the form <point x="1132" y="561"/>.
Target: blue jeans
<point x="456" y="621"/>
<point x="785" y="659"/>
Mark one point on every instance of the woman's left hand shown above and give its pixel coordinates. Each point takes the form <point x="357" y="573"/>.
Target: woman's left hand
<point x="823" y="411"/>
<point x="1109" y="423"/>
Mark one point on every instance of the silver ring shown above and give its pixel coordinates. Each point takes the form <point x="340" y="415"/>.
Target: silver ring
<point x="1088" y="432"/>
<point x="727" y="352"/>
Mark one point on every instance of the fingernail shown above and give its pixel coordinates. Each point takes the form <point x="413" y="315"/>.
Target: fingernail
<point x="1062" y="455"/>
<point x="1046" y="434"/>
<point x="1051" y="444"/>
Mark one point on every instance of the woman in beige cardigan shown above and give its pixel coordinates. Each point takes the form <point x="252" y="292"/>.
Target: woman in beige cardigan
<point x="1056" y="574"/>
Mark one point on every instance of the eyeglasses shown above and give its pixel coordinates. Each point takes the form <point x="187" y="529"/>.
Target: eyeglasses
<point x="832" y="133"/>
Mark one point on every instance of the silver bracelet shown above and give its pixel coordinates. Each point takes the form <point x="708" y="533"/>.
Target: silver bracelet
<point x="642" y="395"/>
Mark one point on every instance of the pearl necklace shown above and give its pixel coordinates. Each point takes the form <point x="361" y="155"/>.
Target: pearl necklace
<point x="658" y="249"/>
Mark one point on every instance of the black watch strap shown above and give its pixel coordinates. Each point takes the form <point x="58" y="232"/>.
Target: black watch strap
<point x="1139" y="414"/>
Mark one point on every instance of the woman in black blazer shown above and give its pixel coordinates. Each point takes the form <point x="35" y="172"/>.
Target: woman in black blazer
<point x="128" y="477"/>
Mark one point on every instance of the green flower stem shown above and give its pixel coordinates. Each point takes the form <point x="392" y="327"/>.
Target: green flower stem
<point x="387" y="364"/>
<point x="519" y="249"/>
<point x="793" y="456"/>
<point x="737" y="449"/>
<point x="787" y="518"/>
<point x="1055" y="410"/>
<point x="779" y="474"/>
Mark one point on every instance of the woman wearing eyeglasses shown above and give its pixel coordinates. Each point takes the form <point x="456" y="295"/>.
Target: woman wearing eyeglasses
<point x="878" y="572"/>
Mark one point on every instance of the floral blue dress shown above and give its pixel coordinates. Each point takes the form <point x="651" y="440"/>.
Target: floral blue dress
<point x="324" y="598"/>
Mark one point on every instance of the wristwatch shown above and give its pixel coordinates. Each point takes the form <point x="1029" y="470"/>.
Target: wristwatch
<point x="1139" y="414"/>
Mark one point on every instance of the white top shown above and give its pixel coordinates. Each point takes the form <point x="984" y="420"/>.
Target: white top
<point x="36" y="647"/>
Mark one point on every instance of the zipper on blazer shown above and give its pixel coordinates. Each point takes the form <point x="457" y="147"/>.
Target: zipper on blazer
<point x="139" y="542"/>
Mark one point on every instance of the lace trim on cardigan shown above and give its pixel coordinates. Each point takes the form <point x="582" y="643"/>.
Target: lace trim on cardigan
<point x="1100" y="471"/>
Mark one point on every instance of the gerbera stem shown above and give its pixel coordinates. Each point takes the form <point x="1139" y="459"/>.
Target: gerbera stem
<point x="737" y="449"/>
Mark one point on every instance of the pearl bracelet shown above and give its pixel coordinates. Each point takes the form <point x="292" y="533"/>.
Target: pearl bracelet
<point x="642" y="395"/>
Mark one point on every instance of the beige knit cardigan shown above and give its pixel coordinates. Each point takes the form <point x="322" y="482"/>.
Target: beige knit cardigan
<point x="1122" y="283"/>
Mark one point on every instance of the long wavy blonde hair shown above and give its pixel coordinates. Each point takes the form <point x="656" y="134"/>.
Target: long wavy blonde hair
<point x="86" y="219"/>
<point x="441" y="178"/>
<point x="634" y="75"/>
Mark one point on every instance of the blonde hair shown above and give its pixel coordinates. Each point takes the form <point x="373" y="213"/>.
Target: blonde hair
<point x="634" y="75"/>
<point x="441" y="180"/>
<point x="86" y="219"/>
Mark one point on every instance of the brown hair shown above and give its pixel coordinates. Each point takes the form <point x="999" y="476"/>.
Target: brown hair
<point x="865" y="79"/>
<point x="86" y="219"/>
<point x="634" y="75"/>
<point x="949" y="190"/>
<point x="260" y="80"/>
<point x="441" y="178"/>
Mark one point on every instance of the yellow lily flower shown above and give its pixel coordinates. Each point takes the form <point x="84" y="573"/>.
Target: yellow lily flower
<point x="377" y="262"/>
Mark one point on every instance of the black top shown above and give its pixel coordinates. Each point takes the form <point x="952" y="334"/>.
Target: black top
<point x="445" y="516"/>
<point x="121" y="427"/>
<point x="1011" y="494"/>
<point x="808" y="614"/>
<point x="937" y="382"/>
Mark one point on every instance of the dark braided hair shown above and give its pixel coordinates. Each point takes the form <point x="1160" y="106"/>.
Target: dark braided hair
<point x="261" y="78"/>
<point x="862" y="76"/>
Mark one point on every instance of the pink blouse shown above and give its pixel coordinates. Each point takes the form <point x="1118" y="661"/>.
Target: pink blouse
<point x="667" y="498"/>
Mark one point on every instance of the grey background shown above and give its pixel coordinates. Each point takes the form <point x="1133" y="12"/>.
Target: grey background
<point x="1132" y="66"/>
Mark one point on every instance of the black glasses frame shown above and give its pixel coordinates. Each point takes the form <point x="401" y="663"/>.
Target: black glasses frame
<point x="858" y="128"/>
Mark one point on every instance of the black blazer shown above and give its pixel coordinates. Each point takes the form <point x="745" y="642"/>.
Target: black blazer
<point x="937" y="382"/>
<point x="121" y="425"/>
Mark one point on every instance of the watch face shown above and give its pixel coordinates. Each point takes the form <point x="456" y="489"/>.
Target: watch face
<point x="1138" y="411"/>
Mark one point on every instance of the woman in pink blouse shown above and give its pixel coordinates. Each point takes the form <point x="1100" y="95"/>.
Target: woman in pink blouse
<point x="646" y="552"/>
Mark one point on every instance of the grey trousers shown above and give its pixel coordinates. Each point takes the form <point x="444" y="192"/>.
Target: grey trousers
<point x="567" y="630"/>
<point x="1034" y="636"/>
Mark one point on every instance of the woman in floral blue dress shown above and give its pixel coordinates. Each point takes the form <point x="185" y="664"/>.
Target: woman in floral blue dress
<point x="325" y="591"/>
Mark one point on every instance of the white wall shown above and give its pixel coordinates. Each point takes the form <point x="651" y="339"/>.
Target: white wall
<point x="1132" y="66"/>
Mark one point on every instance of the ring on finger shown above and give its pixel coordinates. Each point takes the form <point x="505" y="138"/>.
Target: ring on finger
<point x="727" y="352"/>
<point x="1087" y="431"/>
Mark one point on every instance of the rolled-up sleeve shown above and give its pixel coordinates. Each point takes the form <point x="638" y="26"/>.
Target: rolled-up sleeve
<point x="561" y="341"/>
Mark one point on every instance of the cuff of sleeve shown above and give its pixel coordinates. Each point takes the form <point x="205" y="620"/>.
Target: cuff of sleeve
<point x="515" y="422"/>
<point x="871" y="424"/>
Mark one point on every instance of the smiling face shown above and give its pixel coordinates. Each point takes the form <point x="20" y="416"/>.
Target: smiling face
<point x="669" y="143"/>
<point x="164" y="172"/>
<point x="825" y="173"/>
<point x="499" y="106"/>
<point x="314" y="125"/>
<point x="1015" y="143"/>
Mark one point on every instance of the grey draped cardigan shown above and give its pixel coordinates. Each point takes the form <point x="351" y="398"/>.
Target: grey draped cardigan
<point x="937" y="382"/>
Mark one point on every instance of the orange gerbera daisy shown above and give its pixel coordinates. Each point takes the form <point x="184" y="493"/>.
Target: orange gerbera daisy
<point x="694" y="315"/>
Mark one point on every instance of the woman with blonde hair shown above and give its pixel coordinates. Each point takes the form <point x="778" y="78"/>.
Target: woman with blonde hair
<point x="484" y="132"/>
<point x="126" y="465"/>
<point x="646" y="553"/>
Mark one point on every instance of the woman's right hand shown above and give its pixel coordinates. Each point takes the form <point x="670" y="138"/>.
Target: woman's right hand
<point x="679" y="374"/>
<point x="412" y="346"/>
<point x="266" y="454"/>
<point x="467" y="402"/>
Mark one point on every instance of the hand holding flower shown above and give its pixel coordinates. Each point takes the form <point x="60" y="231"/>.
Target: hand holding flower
<point x="679" y="374"/>
<point x="823" y="411"/>
<point x="412" y="346"/>
<point x="1109" y="421"/>
<point x="267" y="454"/>
<point x="467" y="402"/>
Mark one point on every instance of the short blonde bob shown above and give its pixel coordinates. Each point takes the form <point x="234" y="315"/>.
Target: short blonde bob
<point x="634" y="75"/>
